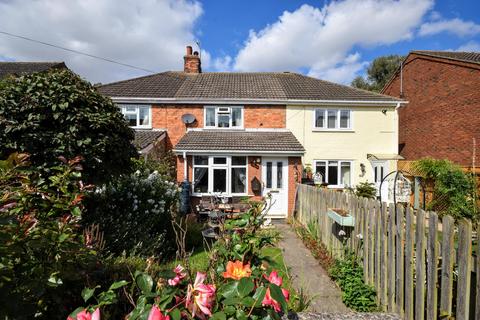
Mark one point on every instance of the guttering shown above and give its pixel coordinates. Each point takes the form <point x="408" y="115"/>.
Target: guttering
<point x="255" y="101"/>
<point x="243" y="152"/>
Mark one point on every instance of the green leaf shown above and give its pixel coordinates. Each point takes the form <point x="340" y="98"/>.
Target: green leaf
<point x="175" y="314"/>
<point x="118" y="284"/>
<point x="230" y="289"/>
<point x="245" y="286"/>
<point x="87" y="293"/>
<point x="144" y="282"/>
<point x="277" y="295"/>
<point x="259" y="296"/>
<point x="219" y="316"/>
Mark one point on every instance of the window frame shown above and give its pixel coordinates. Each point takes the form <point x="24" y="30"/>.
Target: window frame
<point x="339" y="172"/>
<point x="227" y="166"/>
<point x="217" y="112"/>
<point x="123" y="109"/>
<point x="338" y="112"/>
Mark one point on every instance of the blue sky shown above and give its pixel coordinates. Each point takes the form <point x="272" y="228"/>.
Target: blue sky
<point x="333" y="40"/>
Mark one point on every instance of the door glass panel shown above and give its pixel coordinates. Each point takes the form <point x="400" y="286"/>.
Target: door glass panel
<point x="200" y="183"/>
<point x="269" y="175"/>
<point x="345" y="173"/>
<point x="332" y="119"/>
<point x="375" y="170"/>
<point x="239" y="180"/>
<point x="333" y="172"/>
<point x="279" y="174"/>
<point x="219" y="180"/>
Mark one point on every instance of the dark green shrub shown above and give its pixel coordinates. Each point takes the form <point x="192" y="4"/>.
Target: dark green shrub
<point x="366" y="190"/>
<point x="43" y="257"/>
<point x="55" y="113"/>
<point x="134" y="212"/>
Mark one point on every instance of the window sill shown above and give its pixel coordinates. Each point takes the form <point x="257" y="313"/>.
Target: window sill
<point x="332" y="130"/>
<point x="142" y="127"/>
<point x="224" y="128"/>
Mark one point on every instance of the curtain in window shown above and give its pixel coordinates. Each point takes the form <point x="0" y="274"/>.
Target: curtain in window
<point x="236" y="117"/>
<point x="144" y="117"/>
<point x="239" y="180"/>
<point x="319" y="118"/>
<point x="345" y="173"/>
<point x="201" y="180"/>
<point x="210" y="117"/>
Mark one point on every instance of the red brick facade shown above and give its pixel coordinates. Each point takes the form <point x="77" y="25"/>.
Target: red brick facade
<point x="443" y="114"/>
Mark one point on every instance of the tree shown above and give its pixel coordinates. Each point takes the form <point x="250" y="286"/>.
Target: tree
<point x="56" y="114"/>
<point x="379" y="72"/>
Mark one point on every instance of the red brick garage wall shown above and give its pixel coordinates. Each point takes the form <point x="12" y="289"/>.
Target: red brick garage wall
<point x="443" y="113"/>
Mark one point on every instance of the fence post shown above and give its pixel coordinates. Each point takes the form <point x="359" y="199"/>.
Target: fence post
<point x="420" y="267"/>
<point x="410" y="240"/>
<point x="448" y="255"/>
<point x="391" y="276"/>
<point x="464" y="273"/>
<point x="400" y="271"/>
<point x="432" y="263"/>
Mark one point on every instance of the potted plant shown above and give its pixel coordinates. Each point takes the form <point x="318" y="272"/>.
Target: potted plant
<point x="342" y="217"/>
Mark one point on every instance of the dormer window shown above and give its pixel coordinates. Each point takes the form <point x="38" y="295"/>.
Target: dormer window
<point x="224" y="117"/>
<point x="137" y="116"/>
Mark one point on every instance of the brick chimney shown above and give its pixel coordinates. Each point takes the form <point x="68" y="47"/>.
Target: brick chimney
<point x="192" y="63"/>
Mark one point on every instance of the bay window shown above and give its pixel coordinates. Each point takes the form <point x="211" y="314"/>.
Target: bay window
<point x="336" y="173"/>
<point x="220" y="174"/>
<point x="137" y="115"/>
<point x="332" y="119"/>
<point x="223" y="117"/>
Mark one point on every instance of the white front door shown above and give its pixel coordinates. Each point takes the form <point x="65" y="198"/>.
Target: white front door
<point x="275" y="183"/>
<point x="380" y="170"/>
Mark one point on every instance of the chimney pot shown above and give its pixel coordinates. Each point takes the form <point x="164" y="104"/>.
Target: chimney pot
<point x="189" y="50"/>
<point x="195" y="53"/>
<point x="191" y="62"/>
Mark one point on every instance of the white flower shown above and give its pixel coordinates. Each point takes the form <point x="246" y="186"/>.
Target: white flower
<point x="359" y="236"/>
<point x="342" y="233"/>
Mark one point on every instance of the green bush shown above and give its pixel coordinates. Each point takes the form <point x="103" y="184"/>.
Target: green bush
<point x="55" y="113"/>
<point x="357" y="295"/>
<point x="366" y="190"/>
<point x="42" y="253"/>
<point x="134" y="212"/>
<point x="454" y="190"/>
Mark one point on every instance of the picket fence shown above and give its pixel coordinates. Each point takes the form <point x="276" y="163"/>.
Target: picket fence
<point x="420" y="267"/>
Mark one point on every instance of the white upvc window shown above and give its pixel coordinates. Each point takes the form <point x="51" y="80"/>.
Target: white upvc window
<point x="332" y="119"/>
<point x="336" y="173"/>
<point x="137" y="115"/>
<point x="226" y="175"/>
<point x="223" y="117"/>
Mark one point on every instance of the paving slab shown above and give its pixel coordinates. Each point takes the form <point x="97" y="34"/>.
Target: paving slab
<point x="308" y="275"/>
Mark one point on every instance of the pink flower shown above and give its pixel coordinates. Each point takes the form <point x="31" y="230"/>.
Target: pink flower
<point x="179" y="275"/>
<point x="156" y="314"/>
<point x="268" y="300"/>
<point x="85" y="315"/>
<point x="200" y="297"/>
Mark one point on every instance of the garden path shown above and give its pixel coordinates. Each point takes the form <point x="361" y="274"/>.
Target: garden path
<point x="306" y="273"/>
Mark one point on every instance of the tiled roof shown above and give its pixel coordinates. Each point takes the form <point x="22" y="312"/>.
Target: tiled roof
<point x="472" y="57"/>
<point x="19" y="68"/>
<point x="143" y="138"/>
<point x="214" y="140"/>
<point x="237" y="85"/>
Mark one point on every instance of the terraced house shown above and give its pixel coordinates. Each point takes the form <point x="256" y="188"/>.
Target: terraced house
<point x="249" y="134"/>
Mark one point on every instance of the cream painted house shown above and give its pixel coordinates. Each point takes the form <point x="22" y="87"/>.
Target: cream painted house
<point x="347" y="143"/>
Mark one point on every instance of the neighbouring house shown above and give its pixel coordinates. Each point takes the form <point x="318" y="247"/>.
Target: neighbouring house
<point x="250" y="134"/>
<point x="20" y="68"/>
<point x="442" y="119"/>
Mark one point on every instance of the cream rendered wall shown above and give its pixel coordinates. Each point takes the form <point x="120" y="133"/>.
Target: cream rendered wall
<point x="372" y="132"/>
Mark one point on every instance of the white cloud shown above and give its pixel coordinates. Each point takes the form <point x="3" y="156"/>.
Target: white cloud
<point x="455" y="26"/>
<point x="471" y="46"/>
<point x="148" y="33"/>
<point x="320" y="40"/>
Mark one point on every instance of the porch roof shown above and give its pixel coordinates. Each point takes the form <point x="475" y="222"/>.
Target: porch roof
<point x="275" y="141"/>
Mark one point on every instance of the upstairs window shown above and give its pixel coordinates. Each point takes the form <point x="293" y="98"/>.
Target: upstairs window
<point x="332" y="119"/>
<point x="223" y="117"/>
<point x="137" y="116"/>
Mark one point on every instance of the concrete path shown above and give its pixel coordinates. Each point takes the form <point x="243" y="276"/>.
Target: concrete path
<point x="307" y="274"/>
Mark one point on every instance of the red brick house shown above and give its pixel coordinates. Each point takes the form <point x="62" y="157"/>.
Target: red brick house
<point x="229" y="130"/>
<point x="442" y="118"/>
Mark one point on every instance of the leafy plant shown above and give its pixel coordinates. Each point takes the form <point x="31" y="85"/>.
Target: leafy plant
<point x="366" y="189"/>
<point x="55" y="113"/>
<point x="133" y="211"/>
<point x="454" y="190"/>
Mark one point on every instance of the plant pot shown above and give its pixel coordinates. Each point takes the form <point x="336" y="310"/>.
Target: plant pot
<point x="341" y="217"/>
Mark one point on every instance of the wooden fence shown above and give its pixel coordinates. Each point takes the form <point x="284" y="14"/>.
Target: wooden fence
<point x="420" y="267"/>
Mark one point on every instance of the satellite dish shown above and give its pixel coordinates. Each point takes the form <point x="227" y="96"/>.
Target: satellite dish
<point x="188" y="118"/>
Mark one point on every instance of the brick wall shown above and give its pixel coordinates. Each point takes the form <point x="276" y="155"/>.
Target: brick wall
<point x="442" y="116"/>
<point x="294" y="176"/>
<point x="170" y="117"/>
